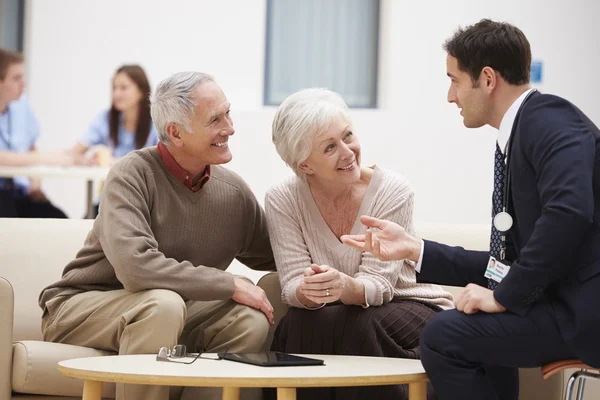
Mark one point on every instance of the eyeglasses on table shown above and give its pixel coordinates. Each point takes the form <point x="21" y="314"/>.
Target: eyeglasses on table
<point x="179" y="352"/>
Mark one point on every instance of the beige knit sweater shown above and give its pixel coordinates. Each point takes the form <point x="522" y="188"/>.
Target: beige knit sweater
<point x="300" y="236"/>
<point x="155" y="233"/>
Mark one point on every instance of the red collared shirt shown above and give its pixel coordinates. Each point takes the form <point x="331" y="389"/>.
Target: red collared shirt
<point x="181" y="174"/>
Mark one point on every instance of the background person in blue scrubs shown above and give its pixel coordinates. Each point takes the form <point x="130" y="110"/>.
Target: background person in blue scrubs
<point x="19" y="130"/>
<point x="125" y="126"/>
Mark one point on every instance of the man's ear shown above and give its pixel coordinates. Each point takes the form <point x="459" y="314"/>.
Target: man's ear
<point x="489" y="78"/>
<point x="174" y="132"/>
<point x="306" y="169"/>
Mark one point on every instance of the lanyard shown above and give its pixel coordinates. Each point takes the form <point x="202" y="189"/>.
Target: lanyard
<point x="7" y="139"/>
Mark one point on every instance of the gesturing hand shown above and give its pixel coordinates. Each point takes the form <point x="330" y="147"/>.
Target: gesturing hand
<point x="390" y="242"/>
<point x="252" y="296"/>
<point x="322" y="284"/>
<point x="477" y="298"/>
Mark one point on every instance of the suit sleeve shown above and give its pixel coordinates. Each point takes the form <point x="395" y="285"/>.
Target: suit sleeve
<point x="453" y="266"/>
<point x="560" y="147"/>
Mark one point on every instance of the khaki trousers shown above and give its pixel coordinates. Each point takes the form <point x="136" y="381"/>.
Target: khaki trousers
<point x="142" y="322"/>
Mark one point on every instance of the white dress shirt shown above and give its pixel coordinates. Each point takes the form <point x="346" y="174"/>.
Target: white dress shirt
<point x="504" y="132"/>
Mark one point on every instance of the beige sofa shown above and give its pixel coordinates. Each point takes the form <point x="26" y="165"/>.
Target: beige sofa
<point x="33" y="254"/>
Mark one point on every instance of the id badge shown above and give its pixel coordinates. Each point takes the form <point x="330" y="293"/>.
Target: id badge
<point x="496" y="270"/>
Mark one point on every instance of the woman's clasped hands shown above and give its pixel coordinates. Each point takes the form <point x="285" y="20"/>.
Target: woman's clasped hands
<point x="322" y="284"/>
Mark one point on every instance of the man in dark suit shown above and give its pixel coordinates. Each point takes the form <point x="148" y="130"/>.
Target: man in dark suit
<point x="541" y="303"/>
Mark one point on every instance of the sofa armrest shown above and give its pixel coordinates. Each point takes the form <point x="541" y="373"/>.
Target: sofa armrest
<point x="6" y="337"/>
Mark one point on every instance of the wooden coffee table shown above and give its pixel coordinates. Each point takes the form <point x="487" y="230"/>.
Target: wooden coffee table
<point x="231" y="376"/>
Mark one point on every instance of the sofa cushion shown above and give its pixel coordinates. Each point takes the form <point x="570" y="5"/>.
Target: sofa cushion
<point x="35" y="254"/>
<point x="35" y="368"/>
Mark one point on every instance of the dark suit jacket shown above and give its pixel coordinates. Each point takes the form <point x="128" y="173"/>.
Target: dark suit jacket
<point x="555" y="239"/>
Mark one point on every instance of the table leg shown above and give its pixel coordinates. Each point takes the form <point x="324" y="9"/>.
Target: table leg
<point x="89" y="200"/>
<point x="92" y="390"/>
<point x="286" y="393"/>
<point x="231" y="393"/>
<point x="417" y="391"/>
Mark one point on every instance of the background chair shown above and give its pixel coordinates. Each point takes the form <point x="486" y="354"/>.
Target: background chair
<point x="583" y="372"/>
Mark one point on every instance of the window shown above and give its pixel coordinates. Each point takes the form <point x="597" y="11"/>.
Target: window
<point x="316" y="43"/>
<point x="12" y="15"/>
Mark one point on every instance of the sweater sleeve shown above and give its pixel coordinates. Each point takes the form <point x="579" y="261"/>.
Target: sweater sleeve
<point x="129" y="244"/>
<point x="394" y="203"/>
<point x="287" y="240"/>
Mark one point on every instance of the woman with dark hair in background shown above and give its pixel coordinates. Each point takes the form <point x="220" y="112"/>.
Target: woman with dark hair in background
<point x="125" y="127"/>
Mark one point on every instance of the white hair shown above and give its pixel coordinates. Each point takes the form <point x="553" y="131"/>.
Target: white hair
<point x="174" y="101"/>
<point x="302" y="116"/>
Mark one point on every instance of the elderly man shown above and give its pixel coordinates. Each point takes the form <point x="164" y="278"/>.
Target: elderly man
<point x="151" y="272"/>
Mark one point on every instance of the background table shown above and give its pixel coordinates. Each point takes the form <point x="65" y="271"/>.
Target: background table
<point x="90" y="174"/>
<point x="231" y="376"/>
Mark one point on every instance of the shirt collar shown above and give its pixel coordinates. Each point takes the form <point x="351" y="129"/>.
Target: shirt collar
<point x="8" y="107"/>
<point x="181" y="174"/>
<point x="508" y="120"/>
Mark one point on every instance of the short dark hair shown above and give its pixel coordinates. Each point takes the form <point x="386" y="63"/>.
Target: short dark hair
<point x="8" y="58"/>
<point x="498" y="45"/>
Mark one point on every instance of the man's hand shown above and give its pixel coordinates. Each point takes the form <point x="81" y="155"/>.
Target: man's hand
<point x="252" y="296"/>
<point x="84" y="160"/>
<point x="390" y="242"/>
<point x="35" y="191"/>
<point x="477" y="298"/>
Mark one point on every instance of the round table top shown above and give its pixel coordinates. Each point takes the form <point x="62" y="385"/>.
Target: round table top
<point x="337" y="371"/>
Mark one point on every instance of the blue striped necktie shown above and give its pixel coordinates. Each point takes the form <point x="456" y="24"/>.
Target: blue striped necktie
<point x="499" y="175"/>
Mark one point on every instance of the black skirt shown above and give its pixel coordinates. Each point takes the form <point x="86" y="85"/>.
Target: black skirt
<point x="389" y="330"/>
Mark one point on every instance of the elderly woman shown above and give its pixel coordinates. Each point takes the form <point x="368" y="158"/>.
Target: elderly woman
<point x="341" y="301"/>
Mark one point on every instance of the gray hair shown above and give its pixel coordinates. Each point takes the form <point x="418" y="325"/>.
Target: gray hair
<point x="302" y="116"/>
<point x="174" y="101"/>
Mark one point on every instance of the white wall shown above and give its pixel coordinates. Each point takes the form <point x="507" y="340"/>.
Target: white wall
<point x="73" y="47"/>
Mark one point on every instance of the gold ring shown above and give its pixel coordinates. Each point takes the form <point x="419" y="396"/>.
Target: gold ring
<point x="327" y="292"/>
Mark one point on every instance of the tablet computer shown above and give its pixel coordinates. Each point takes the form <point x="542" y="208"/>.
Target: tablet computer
<point x="271" y="359"/>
